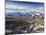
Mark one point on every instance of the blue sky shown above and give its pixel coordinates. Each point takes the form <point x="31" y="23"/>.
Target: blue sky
<point x="24" y="6"/>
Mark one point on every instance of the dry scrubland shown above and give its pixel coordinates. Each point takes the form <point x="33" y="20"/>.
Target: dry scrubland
<point x="28" y="19"/>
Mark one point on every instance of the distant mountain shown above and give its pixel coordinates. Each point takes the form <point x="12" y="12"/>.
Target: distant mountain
<point x="15" y="14"/>
<point x="23" y="14"/>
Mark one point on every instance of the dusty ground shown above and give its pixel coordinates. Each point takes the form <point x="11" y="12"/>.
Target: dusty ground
<point x="38" y="21"/>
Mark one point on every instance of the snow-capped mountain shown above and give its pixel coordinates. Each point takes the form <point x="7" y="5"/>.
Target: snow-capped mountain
<point x="23" y="14"/>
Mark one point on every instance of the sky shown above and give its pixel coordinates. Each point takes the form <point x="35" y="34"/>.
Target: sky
<point x="18" y="6"/>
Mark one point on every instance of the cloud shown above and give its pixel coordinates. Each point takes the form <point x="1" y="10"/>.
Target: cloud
<point x="20" y="8"/>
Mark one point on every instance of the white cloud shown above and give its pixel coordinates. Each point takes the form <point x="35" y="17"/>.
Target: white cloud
<point x="22" y="8"/>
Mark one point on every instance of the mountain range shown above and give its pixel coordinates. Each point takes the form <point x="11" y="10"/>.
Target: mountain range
<point x="22" y="14"/>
